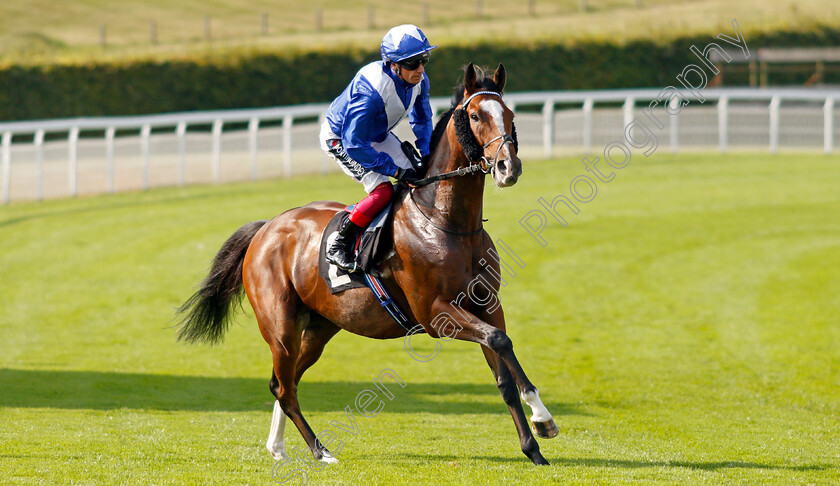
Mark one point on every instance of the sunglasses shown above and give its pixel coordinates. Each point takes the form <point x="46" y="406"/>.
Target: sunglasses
<point x="413" y="63"/>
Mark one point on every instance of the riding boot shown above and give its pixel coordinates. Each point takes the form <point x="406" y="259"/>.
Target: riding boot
<point x="340" y="252"/>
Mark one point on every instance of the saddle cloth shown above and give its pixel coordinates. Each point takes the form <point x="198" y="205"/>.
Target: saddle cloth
<point x="370" y="247"/>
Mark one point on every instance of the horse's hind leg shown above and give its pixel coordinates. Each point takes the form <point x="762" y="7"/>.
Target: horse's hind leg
<point x="282" y="319"/>
<point x="315" y="337"/>
<point x="276" y="443"/>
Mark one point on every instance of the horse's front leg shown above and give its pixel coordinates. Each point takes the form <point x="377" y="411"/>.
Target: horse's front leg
<point x="498" y="350"/>
<point x="541" y="420"/>
<point x="507" y="387"/>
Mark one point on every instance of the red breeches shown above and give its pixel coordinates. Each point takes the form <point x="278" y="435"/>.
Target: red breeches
<point x="367" y="209"/>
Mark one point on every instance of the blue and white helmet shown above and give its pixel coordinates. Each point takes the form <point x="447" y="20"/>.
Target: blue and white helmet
<point x="403" y="42"/>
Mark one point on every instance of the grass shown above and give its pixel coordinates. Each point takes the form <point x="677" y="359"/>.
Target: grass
<point x="683" y="328"/>
<point x="43" y="32"/>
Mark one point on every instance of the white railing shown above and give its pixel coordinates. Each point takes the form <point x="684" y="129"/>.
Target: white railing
<point x="110" y="154"/>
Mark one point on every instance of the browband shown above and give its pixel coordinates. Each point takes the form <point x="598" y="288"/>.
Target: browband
<point x="477" y="94"/>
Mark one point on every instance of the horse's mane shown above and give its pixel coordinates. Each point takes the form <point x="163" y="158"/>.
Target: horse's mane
<point x="482" y="83"/>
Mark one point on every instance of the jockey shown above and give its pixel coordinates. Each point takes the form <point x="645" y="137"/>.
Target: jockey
<point x="357" y="130"/>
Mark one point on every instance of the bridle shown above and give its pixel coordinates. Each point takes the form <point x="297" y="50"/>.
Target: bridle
<point x="506" y="138"/>
<point x="488" y="165"/>
<point x="483" y="165"/>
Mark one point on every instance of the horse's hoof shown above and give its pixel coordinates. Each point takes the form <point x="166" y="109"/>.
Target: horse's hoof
<point x="540" y="461"/>
<point x="545" y="430"/>
<point x="328" y="458"/>
<point x="278" y="455"/>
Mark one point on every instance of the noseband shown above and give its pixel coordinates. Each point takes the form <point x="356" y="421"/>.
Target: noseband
<point x="506" y="138"/>
<point x="483" y="165"/>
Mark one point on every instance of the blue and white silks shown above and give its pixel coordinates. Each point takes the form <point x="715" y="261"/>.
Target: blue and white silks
<point x="374" y="102"/>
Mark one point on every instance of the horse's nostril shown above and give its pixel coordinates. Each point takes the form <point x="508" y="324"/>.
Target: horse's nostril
<point x="503" y="166"/>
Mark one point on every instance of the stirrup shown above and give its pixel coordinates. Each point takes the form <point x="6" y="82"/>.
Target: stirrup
<point x="346" y="264"/>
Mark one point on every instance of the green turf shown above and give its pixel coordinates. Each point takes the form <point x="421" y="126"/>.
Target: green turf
<point x="683" y="328"/>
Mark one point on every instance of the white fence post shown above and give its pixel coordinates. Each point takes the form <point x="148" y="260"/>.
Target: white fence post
<point x="287" y="144"/>
<point x="217" y="151"/>
<point x="253" y="132"/>
<point x="588" y="105"/>
<point x="39" y="161"/>
<point x="774" y="124"/>
<point x="7" y="167"/>
<point x="110" y="132"/>
<point x="828" y="130"/>
<point x="675" y="125"/>
<point x="181" y="133"/>
<point x="627" y="109"/>
<point x="73" y="151"/>
<point x="723" y="123"/>
<point x="145" y="135"/>
<point x="324" y="157"/>
<point x="548" y="127"/>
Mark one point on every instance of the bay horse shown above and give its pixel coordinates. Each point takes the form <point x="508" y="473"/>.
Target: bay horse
<point x="439" y="248"/>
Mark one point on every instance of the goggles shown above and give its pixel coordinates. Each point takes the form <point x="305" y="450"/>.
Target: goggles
<point x="413" y="63"/>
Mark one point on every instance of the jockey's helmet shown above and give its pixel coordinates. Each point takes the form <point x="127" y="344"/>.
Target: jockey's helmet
<point x="403" y="42"/>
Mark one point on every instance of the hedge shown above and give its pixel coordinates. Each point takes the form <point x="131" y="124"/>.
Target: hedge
<point x="258" y="80"/>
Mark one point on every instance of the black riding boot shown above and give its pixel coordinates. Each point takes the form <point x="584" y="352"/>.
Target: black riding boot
<point x="340" y="253"/>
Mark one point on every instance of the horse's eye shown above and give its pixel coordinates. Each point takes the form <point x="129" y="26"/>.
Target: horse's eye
<point x="474" y="117"/>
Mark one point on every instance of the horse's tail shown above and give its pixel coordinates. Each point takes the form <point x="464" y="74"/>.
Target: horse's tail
<point x="207" y="314"/>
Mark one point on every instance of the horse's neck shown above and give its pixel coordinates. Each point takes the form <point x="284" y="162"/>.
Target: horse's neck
<point x="454" y="203"/>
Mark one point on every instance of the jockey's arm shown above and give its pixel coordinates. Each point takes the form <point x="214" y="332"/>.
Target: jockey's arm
<point x="363" y="113"/>
<point x="420" y="118"/>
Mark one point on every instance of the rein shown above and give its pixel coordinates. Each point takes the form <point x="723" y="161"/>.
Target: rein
<point x="461" y="171"/>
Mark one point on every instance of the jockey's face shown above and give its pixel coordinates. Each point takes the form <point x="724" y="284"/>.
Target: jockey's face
<point x="409" y="76"/>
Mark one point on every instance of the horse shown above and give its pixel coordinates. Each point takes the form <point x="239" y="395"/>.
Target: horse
<point x="439" y="247"/>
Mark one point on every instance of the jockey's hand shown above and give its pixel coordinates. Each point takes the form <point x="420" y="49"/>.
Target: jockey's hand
<point x="407" y="175"/>
<point x="413" y="156"/>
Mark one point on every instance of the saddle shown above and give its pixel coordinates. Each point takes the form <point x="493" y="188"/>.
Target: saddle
<point x="370" y="248"/>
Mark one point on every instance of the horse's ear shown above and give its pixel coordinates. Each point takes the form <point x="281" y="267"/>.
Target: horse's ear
<point x="499" y="77"/>
<point x="469" y="78"/>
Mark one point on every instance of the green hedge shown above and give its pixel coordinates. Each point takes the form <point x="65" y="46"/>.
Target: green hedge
<point x="259" y="80"/>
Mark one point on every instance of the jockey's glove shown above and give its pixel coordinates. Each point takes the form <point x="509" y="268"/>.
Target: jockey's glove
<point x="413" y="156"/>
<point x="406" y="175"/>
